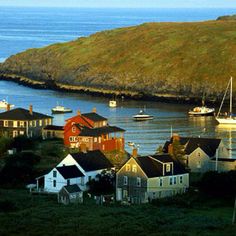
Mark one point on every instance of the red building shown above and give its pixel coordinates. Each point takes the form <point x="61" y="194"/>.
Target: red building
<point x="92" y="131"/>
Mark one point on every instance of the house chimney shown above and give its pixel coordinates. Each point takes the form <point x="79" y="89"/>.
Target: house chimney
<point x="31" y="110"/>
<point x="83" y="147"/>
<point x="134" y="152"/>
<point x="176" y="137"/>
<point x="78" y="113"/>
<point x="94" y="110"/>
<point x="8" y="107"/>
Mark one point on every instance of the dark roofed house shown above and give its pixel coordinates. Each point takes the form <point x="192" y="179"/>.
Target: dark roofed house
<point x="143" y="178"/>
<point x="92" y="130"/>
<point x="199" y="152"/>
<point x="70" y="194"/>
<point x="20" y="121"/>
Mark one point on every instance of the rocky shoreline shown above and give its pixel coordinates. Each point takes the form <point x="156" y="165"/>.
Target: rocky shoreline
<point x="166" y="98"/>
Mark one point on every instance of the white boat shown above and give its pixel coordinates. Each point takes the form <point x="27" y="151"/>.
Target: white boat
<point x="4" y="104"/>
<point x="227" y="118"/>
<point x="202" y="111"/>
<point x="60" y="110"/>
<point x="112" y="103"/>
<point x="142" y="116"/>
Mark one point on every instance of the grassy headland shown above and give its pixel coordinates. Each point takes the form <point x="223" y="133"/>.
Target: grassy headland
<point x="178" y="61"/>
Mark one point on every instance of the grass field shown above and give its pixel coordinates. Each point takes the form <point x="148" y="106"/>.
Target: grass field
<point x="25" y="214"/>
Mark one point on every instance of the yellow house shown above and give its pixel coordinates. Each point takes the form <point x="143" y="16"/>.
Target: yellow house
<point x="143" y="178"/>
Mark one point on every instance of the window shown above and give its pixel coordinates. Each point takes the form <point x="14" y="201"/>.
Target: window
<point x="73" y="139"/>
<point x="95" y="139"/>
<point x="171" y="180"/>
<point x="34" y="123"/>
<point x="134" y="168"/>
<point x="40" y="122"/>
<point x="73" y="129"/>
<point x="99" y="139"/>
<point x="199" y="154"/>
<point x="199" y="164"/>
<point x="54" y="174"/>
<point x="54" y="183"/>
<point x="89" y="178"/>
<point x="6" y="123"/>
<point x="167" y="167"/>
<point x="125" y="181"/>
<point x="161" y="182"/>
<point x="21" y="123"/>
<point x="175" y="180"/>
<point x="68" y="182"/>
<point x="30" y="123"/>
<point x="138" y="181"/>
<point x="181" y="179"/>
<point x="127" y="166"/>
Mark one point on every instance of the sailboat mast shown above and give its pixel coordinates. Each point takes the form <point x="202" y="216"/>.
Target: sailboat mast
<point x="231" y="89"/>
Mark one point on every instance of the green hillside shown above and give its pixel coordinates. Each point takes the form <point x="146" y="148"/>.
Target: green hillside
<point x="158" y="59"/>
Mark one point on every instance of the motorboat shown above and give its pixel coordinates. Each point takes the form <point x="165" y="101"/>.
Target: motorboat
<point x="227" y="117"/>
<point x="60" y="110"/>
<point x="141" y="116"/>
<point x="112" y="103"/>
<point x="202" y="111"/>
<point x="4" y="104"/>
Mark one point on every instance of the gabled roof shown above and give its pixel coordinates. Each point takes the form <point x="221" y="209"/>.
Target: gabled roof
<point x="153" y="167"/>
<point x="94" y="132"/>
<point x="74" y="188"/>
<point x="92" y="160"/>
<point x="22" y="114"/>
<point x="94" y="116"/>
<point x="53" y="127"/>
<point x="69" y="172"/>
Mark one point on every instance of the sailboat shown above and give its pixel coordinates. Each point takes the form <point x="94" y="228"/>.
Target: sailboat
<point x="227" y="118"/>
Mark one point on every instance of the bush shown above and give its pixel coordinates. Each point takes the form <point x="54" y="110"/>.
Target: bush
<point x="219" y="184"/>
<point x="22" y="143"/>
<point x="7" y="206"/>
<point x="5" y="144"/>
<point x="19" y="168"/>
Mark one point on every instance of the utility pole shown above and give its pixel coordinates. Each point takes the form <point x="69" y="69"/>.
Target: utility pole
<point x="234" y="212"/>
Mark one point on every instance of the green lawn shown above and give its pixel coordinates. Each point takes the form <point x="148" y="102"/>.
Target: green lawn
<point x="25" y="214"/>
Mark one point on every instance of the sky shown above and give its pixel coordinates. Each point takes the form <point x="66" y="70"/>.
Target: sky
<point x="123" y="3"/>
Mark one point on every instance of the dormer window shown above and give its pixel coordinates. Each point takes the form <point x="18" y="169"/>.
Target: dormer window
<point x="167" y="167"/>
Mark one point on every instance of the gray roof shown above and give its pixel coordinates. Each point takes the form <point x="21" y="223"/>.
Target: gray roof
<point x="69" y="172"/>
<point x="22" y="114"/>
<point x="95" y="132"/>
<point x="74" y="188"/>
<point x="94" y="116"/>
<point x="92" y="160"/>
<point x="153" y="168"/>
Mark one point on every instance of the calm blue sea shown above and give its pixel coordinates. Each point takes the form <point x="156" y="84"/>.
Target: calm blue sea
<point x="23" y="28"/>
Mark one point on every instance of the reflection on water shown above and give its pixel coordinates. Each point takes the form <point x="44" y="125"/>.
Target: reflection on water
<point x="148" y="134"/>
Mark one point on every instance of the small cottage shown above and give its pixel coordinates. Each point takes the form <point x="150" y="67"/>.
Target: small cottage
<point x="70" y="194"/>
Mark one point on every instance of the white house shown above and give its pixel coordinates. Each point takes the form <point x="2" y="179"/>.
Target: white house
<point x="77" y="168"/>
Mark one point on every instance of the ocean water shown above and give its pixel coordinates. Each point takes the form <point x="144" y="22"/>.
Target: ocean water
<point x="23" y="28"/>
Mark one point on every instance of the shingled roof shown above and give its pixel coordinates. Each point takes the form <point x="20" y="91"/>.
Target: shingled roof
<point x="74" y="188"/>
<point x="92" y="160"/>
<point x="94" y="116"/>
<point x="153" y="167"/>
<point x="22" y="114"/>
<point x="69" y="172"/>
<point x="94" y="132"/>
